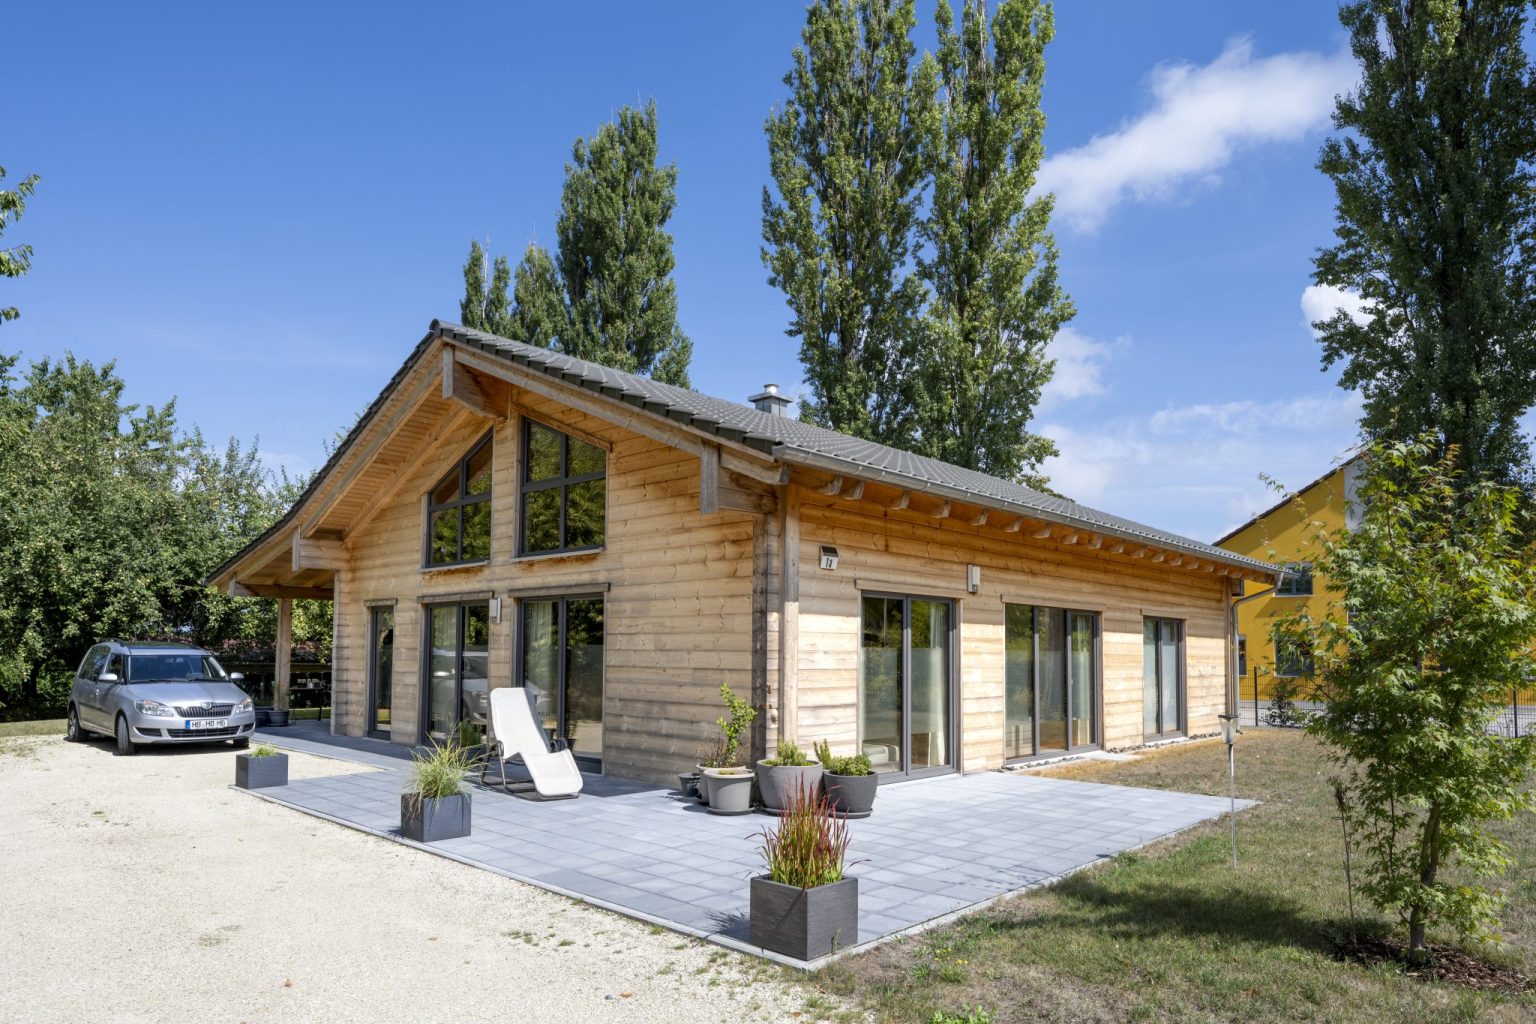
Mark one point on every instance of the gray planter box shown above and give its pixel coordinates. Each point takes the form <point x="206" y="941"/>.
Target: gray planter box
<point x="729" y="794"/>
<point x="776" y="783"/>
<point x="253" y="772"/>
<point x="435" y="819"/>
<point x="852" y="796"/>
<point x="804" y="923"/>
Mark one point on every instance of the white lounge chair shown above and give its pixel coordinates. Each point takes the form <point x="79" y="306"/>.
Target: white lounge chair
<point x="518" y="734"/>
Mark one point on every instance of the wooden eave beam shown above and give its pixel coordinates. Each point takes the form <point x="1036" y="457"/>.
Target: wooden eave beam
<point x="459" y="385"/>
<point x="901" y="501"/>
<point x="277" y="591"/>
<point x="318" y="554"/>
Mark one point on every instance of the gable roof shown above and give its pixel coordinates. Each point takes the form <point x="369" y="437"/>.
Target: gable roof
<point x="783" y="438"/>
<point x="1288" y="499"/>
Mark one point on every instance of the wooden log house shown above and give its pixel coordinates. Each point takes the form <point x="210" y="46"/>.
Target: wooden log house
<point x="505" y="515"/>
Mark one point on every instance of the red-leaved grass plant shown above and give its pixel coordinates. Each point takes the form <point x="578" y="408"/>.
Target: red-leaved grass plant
<point x="808" y="847"/>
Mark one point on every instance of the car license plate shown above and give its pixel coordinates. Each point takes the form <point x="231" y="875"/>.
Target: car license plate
<point x="207" y="723"/>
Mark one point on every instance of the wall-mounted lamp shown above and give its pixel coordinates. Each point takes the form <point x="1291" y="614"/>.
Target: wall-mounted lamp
<point x="972" y="579"/>
<point x="828" y="556"/>
<point x="495" y="603"/>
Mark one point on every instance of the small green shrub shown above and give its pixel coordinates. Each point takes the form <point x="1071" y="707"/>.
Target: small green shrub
<point x="969" y="1015"/>
<point x="263" y="750"/>
<point x="471" y="734"/>
<point x="721" y="752"/>
<point x="441" y="771"/>
<point x="1283" y="712"/>
<point x="853" y="765"/>
<point x="790" y="756"/>
<point x="809" y="845"/>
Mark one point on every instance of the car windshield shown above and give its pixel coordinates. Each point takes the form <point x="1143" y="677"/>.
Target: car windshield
<point x="174" y="668"/>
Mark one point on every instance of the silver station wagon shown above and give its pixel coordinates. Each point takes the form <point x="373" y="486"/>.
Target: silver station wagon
<point x="157" y="693"/>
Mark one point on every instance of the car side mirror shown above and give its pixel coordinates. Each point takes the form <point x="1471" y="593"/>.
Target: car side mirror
<point x="107" y="677"/>
<point x="237" y="677"/>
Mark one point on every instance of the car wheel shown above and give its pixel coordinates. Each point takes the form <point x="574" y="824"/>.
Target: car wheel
<point x="241" y="743"/>
<point x="72" y="731"/>
<point x="125" y="747"/>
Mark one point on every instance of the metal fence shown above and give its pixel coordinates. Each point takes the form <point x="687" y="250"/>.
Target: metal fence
<point x="1257" y="707"/>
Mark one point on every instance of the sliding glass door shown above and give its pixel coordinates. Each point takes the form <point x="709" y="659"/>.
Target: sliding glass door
<point x="561" y="665"/>
<point x="1162" y="677"/>
<point x="1050" y="681"/>
<point x="906" y="691"/>
<point x="458" y="672"/>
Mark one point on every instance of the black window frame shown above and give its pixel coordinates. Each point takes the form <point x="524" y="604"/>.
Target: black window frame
<point x="1301" y="573"/>
<point x="563" y="483"/>
<point x="561" y="601"/>
<point x="1304" y="661"/>
<point x="424" y="698"/>
<point x="461" y="501"/>
<point x="1181" y="637"/>
<point x="1095" y="684"/>
<point x="956" y="739"/>
<point x="372" y="710"/>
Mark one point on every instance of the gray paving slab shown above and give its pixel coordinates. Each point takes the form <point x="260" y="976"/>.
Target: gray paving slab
<point x="932" y="848"/>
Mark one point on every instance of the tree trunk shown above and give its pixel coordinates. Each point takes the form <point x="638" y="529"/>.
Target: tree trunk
<point x="1429" y="869"/>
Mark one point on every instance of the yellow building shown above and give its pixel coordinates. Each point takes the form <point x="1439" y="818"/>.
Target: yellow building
<point x="1281" y="535"/>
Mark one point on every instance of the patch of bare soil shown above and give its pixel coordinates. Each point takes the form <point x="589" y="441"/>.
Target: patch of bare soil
<point x="1446" y="964"/>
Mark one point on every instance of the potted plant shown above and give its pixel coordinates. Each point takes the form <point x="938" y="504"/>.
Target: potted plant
<point x="435" y="805"/>
<point x="261" y="767"/>
<point x="849" y="782"/>
<point x="780" y="778"/>
<point x="730" y="790"/>
<point x="724" y="749"/>
<point x="804" y="906"/>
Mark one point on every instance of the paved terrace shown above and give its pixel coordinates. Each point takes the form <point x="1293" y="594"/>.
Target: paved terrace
<point x="933" y="848"/>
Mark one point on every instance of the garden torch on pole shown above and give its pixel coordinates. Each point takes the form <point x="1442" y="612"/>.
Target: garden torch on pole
<point x="1229" y="733"/>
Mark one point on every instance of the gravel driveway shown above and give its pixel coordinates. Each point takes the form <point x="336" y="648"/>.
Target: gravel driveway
<point x="143" y="889"/>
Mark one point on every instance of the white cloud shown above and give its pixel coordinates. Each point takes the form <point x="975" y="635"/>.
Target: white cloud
<point x="1080" y="363"/>
<point x="296" y="466"/>
<point x="1195" y="469"/>
<point x="1322" y="301"/>
<point x="1200" y="117"/>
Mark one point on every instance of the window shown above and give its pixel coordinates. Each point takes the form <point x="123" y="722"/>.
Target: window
<point x="1162" y="661"/>
<point x="1242" y="656"/>
<point x="1050" y="680"/>
<point x="1291" y="661"/>
<point x="381" y="670"/>
<point x="1297" y="581"/>
<point x="458" y="672"/>
<point x="459" y="511"/>
<point x="150" y="668"/>
<point x="561" y="666"/>
<point x="906" y="700"/>
<point x="115" y="667"/>
<point x="564" y="492"/>
<point x="94" y="661"/>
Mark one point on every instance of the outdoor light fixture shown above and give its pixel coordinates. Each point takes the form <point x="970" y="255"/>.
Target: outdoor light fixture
<point x="828" y="556"/>
<point x="495" y="608"/>
<point x="1229" y="734"/>
<point x="972" y="579"/>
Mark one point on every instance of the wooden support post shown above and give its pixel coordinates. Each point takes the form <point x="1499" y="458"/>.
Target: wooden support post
<point x="284" y="667"/>
<point x="789" y="618"/>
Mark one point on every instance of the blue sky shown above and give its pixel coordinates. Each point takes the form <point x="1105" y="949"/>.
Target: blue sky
<point x="259" y="209"/>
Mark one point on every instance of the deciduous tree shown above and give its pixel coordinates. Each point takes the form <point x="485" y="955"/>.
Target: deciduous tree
<point x="990" y="258"/>
<point x="1430" y="625"/>
<point x="17" y="259"/>
<point x="1437" y="227"/>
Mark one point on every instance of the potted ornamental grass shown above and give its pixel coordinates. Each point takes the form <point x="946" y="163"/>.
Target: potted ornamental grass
<point x="261" y="767"/>
<point x="435" y="804"/>
<point x="804" y="906"/>
<point x="780" y="777"/>
<point x="849" y="782"/>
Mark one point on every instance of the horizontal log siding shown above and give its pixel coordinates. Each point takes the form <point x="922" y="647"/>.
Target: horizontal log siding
<point x="906" y="553"/>
<point x="678" y="608"/>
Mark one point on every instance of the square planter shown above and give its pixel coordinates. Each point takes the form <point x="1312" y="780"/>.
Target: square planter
<point x="434" y="819"/>
<point x="261" y="772"/>
<point x="804" y="923"/>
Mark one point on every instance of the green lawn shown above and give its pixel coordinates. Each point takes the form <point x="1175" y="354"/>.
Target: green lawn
<point x="1171" y="934"/>
<point x="47" y="727"/>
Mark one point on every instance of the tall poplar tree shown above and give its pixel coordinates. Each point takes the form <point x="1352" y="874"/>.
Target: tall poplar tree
<point x="1437" y="227"/>
<point x="486" y="306"/>
<point x="990" y="258"/>
<point x="606" y="294"/>
<point x="17" y="259"/>
<point x="841" y="232"/>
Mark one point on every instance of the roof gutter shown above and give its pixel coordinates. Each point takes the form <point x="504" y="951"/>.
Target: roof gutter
<point x="814" y="460"/>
